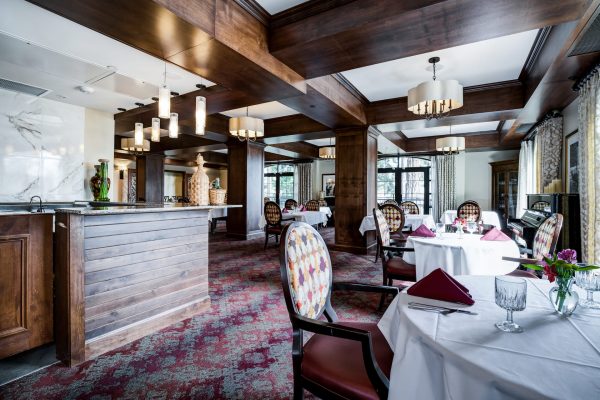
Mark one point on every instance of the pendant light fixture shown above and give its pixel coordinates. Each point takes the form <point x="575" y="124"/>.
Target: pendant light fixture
<point x="327" y="152"/>
<point x="435" y="99"/>
<point x="164" y="98"/>
<point x="138" y="134"/>
<point x="155" y="135"/>
<point x="129" y="145"/>
<point x="247" y="128"/>
<point x="174" y="126"/>
<point x="450" y="145"/>
<point x="200" y="115"/>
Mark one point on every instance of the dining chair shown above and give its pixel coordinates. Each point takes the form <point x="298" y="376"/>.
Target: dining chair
<point x="393" y="267"/>
<point x="290" y="204"/>
<point x="395" y="220"/>
<point x="266" y="200"/>
<point x="409" y="207"/>
<point x="342" y="359"/>
<point x="273" y="217"/>
<point x="312" y="205"/>
<point x="390" y="201"/>
<point x="469" y="210"/>
<point x="544" y="244"/>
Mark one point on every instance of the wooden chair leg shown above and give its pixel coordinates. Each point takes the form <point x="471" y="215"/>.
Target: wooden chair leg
<point x="383" y="296"/>
<point x="376" y="252"/>
<point x="266" y="240"/>
<point x="298" y="390"/>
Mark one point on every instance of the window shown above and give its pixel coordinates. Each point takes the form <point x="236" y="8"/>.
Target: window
<point x="405" y="179"/>
<point x="278" y="183"/>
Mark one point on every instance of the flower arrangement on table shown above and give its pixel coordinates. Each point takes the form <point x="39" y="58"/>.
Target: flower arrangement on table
<point x="459" y="222"/>
<point x="561" y="267"/>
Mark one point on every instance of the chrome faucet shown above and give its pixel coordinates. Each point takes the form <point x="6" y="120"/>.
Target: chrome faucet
<point x="40" y="207"/>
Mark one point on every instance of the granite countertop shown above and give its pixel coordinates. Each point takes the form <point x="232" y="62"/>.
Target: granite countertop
<point x="139" y="209"/>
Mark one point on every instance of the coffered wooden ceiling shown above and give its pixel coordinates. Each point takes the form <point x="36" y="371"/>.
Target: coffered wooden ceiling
<point x="340" y="63"/>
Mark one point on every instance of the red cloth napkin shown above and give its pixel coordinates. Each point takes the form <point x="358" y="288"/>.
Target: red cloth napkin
<point x="439" y="285"/>
<point x="495" y="234"/>
<point x="285" y="211"/>
<point x="302" y="208"/>
<point x="423" y="231"/>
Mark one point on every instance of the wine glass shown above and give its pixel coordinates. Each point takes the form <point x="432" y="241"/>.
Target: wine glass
<point x="471" y="227"/>
<point x="439" y="229"/>
<point x="511" y="294"/>
<point x="590" y="281"/>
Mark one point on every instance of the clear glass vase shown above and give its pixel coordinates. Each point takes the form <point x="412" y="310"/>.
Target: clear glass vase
<point x="563" y="298"/>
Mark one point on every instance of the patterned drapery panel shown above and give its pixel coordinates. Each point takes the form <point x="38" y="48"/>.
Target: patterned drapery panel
<point x="304" y="172"/>
<point x="527" y="178"/>
<point x="589" y="168"/>
<point x="550" y="137"/>
<point x="445" y="182"/>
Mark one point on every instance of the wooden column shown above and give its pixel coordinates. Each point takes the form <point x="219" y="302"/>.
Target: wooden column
<point x="150" y="178"/>
<point x="246" y="162"/>
<point x="356" y="186"/>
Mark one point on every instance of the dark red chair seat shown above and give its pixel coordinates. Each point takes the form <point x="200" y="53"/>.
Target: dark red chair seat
<point x="337" y="364"/>
<point x="523" y="274"/>
<point x="399" y="237"/>
<point x="274" y="229"/>
<point x="397" y="268"/>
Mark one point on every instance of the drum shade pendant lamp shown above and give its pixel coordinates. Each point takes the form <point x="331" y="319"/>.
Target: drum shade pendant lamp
<point x="129" y="145"/>
<point x="450" y="145"/>
<point x="246" y="128"/>
<point x="327" y="151"/>
<point x="164" y="98"/>
<point x="435" y="99"/>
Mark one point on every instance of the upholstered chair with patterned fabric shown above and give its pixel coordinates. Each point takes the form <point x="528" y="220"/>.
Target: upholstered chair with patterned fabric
<point x="341" y="360"/>
<point x="409" y="207"/>
<point x="469" y="210"/>
<point x="312" y="205"/>
<point x="544" y="243"/>
<point x="395" y="219"/>
<point x="393" y="267"/>
<point x="290" y="204"/>
<point x="390" y="201"/>
<point x="273" y="217"/>
<point x="266" y="200"/>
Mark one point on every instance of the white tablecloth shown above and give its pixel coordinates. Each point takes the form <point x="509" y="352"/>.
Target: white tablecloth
<point x="488" y="218"/>
<point x="461" y="356"/>
<point x="466" y="256"/>
<point x="326" y="210"/>
<point x="412" y="221"/>
<point x="310" y="217"/>
<point x="217" y="213"/>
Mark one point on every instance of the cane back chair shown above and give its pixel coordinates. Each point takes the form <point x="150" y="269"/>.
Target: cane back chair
<point x="342" y="360"/>
<point x="395" y="220"/>
<point x="312" y="205"/>
<point x="273" y="217"/>
<point x="470" y="211"/>
<point x="290" y="203"/>
<point x="409" y="207"/>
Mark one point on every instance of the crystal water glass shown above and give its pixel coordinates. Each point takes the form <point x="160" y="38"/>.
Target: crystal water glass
<point x="590" y="281"/>
<point x="471" y="227"/>
<point x="439" y="229"/>
<point x="511" y="294"/>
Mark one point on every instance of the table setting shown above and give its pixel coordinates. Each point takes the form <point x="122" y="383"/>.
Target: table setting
<point x="313" y="218"/>
<point x="487" y="217"/>
<point x="411" y="221"/>
<point x="496" y="337"/>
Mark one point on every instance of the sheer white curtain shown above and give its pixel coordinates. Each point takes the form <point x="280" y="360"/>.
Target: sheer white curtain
<point x="527" y="178"/>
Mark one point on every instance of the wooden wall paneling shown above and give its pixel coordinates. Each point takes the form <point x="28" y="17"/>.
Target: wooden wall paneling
<point x="245" y="186"/>
<point x="366" y="32"/>
<point x="26" y="317"/>
<point x="150" y="176"/>
<point x="356" y="185"/>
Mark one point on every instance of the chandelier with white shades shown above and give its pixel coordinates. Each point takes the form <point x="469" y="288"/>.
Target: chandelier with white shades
<point x="327" y="152"/>
<point x="450" y="145"/>
<point x="435" y="99"/>
<point x="246" y="127"/>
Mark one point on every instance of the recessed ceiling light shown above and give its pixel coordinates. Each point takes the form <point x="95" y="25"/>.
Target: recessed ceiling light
<point x="86" y="89"/>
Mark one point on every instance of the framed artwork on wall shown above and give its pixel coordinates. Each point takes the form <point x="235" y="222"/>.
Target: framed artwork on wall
<point x="572" y="162"/>
<point x="328" y="184"/>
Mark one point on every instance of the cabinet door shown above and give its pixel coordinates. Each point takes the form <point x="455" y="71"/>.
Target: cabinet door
<point x="501" y="195"/>
<point x="13" y="286"/>
<point x="512" y="193"/>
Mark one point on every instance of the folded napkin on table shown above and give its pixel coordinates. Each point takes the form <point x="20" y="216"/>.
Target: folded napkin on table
<point x="285" y="211"/>
<point x="423" y="231"/>
<point x="302" y="208"/>
<point x="495" y="234"/>
<point x="439" y="285"/>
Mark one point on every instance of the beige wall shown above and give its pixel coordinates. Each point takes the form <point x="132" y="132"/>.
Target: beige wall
<point x="320" y="167"/>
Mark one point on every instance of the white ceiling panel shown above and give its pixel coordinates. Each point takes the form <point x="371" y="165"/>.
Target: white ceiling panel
<point x="488" y="61"/>
<point x="321" y="142"/>
<point x="275" y="6"/>
<point x="383" y="144"/>
<point x="445" y="130"/>
<point x="272" y="109"/>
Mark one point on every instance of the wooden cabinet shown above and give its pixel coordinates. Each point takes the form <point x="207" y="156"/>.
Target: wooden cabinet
<point x="505" y="183"/>
<point x="25" y="282"/>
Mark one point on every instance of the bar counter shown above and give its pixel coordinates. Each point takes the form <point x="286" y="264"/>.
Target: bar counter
<point x="124" y="272"/>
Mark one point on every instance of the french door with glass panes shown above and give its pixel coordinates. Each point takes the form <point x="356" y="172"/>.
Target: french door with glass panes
<point x="405" y="184"/>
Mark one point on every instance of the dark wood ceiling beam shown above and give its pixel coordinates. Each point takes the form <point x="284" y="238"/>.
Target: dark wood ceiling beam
<point x="496" y="101"/>
<point x="191" y="152"/>
<point x="551" y="77"/>
<point x="294" y="128"/>
<point x="218" y="40"/>
<point x="480" y="141"/>
<point x="365" y="32"/>
<point x="299" y="149"/>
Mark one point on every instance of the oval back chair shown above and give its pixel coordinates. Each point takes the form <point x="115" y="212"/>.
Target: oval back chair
<point x="409" y="207"/>
<point x="341" y="360"/>
<point x="390" y="201"/>
<point x="312" y="205"/>
<point x="273" y="217"/>
<point x="470" y="211"/>
<point x="290" y="203"/>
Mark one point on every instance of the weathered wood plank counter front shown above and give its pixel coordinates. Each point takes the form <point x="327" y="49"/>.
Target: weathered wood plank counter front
<point x="125" y="272"/>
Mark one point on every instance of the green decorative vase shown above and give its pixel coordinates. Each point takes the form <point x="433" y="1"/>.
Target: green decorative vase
<point x="104" y="184"/>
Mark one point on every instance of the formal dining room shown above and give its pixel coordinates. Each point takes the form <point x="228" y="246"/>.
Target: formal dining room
<point x="300" y="199"/>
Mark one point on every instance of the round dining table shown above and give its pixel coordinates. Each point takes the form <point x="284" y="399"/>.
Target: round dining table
<point x="462" y="356"/>
<point x="412" y="221"/>
<point x="487" y="217"/>
<point x="461" y="255"/>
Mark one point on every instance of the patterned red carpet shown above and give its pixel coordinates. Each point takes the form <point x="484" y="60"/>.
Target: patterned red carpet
<point x="240" y="350"/>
